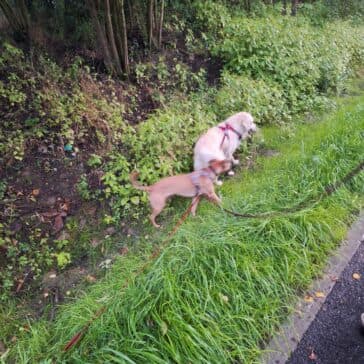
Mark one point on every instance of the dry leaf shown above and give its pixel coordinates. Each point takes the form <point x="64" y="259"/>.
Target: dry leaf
<point x="356" y="276"/>
<point x="308" y="298"/>
<point x="65" y="206"/>
<point x="319" y="294"/>
<point x="50" y="213"/>
<point x="224" y="298"/>
<point x="312" y="356"/>
<point x="90" y="278"/>
<point x="95" y="242"/>
<point x="124" y="250"/>
<point x="58" y="223"/>
<point x="164" y="328"/>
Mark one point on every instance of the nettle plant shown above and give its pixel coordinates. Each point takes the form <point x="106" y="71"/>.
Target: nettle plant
<point x="244" y="93"/>
<point x="292" y="54"/>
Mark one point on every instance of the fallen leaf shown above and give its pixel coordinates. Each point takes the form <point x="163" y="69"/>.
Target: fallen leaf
<point x="334" y="278"/>
<point x="50" y="213"/>
<point x="124" y="250"/>
<point x="95" y="242"/>
<point x="224" y="298"/>
<point x="110" y="230"/>
<point x="356" y="276"/>
<point x="312" y="356"/>
<point x="20" y="285"/>
<point x="319" y="294"/>
<point x="90" y="278"/>
<point x="35" y="192"/>
<point x="164" y="328"/>
<point x="58" y="223"/>
<point x="65" y="206"/>
<point x="13" y="339"/>
<point x="308" y="298"/>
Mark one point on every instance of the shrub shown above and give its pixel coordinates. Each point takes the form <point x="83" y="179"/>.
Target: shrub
<point x="304" y="62"/>
<point x="264" y="100"/>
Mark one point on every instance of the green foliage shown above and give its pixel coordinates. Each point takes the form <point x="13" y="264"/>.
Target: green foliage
<point x="322" y="11"/>
<point x="44" y="101"/>
<point x="211" y="19"/>
<point x="23" y="257"/>
<point x="169" y="75"/>
<point x="63" y="259"/>
<point x="243" y="93"/>
<point x="291" y="54"/>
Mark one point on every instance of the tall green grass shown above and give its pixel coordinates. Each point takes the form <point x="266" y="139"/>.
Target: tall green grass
<point x="222" y="286"/>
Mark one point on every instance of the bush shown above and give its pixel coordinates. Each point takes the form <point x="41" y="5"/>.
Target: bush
<point x="264" y="100"/>
<point x="304" y="62"/>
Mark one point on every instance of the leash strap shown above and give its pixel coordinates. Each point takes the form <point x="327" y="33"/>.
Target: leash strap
<point x="328" y="191"/>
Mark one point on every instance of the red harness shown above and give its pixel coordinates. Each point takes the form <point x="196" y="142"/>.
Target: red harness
<point x="226" y="129"/>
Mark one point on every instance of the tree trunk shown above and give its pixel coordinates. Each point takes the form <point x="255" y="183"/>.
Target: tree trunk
<point x="101" y="35"/>
<point x="150" y="23"/>
<point x="111" y="38"/>
<point x="17" y="17"/>
<point x="160" y="25"/>
<point x="294" y="7"/>
<point x="284" y="9"/>
<point x="122" y="33"/>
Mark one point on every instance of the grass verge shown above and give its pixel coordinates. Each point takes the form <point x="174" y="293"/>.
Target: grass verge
<point x="218" y="292"/>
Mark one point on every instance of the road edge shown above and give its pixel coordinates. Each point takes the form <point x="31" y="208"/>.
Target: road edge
<point x="290" y="333"/>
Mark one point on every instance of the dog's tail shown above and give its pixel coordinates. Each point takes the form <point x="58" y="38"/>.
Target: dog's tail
<point x="133" y="179"/>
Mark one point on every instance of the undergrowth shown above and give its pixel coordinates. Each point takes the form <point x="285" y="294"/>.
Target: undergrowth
<point x="220" y="289"/>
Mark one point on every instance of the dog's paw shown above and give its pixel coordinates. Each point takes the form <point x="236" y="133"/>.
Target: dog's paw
<point x="218" y="182"/>
<point x="235" y="162"/>
<point x="231" y="173"/>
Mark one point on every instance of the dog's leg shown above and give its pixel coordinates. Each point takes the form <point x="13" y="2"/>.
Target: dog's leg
<point x="157" y="204"/>
<point x="195" y="203"/>
<point x="212" y="196"/>
<point x="217" y="181"/>
<point x="235" y="162"/>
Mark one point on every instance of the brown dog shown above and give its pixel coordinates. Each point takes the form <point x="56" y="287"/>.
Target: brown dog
<point x="192" y="184"/>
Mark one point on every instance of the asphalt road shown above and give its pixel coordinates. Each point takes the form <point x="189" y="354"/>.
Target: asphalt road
<point x="336" y="335"/>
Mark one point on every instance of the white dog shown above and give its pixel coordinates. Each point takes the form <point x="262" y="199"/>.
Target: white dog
<point x="221" y="141"/>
